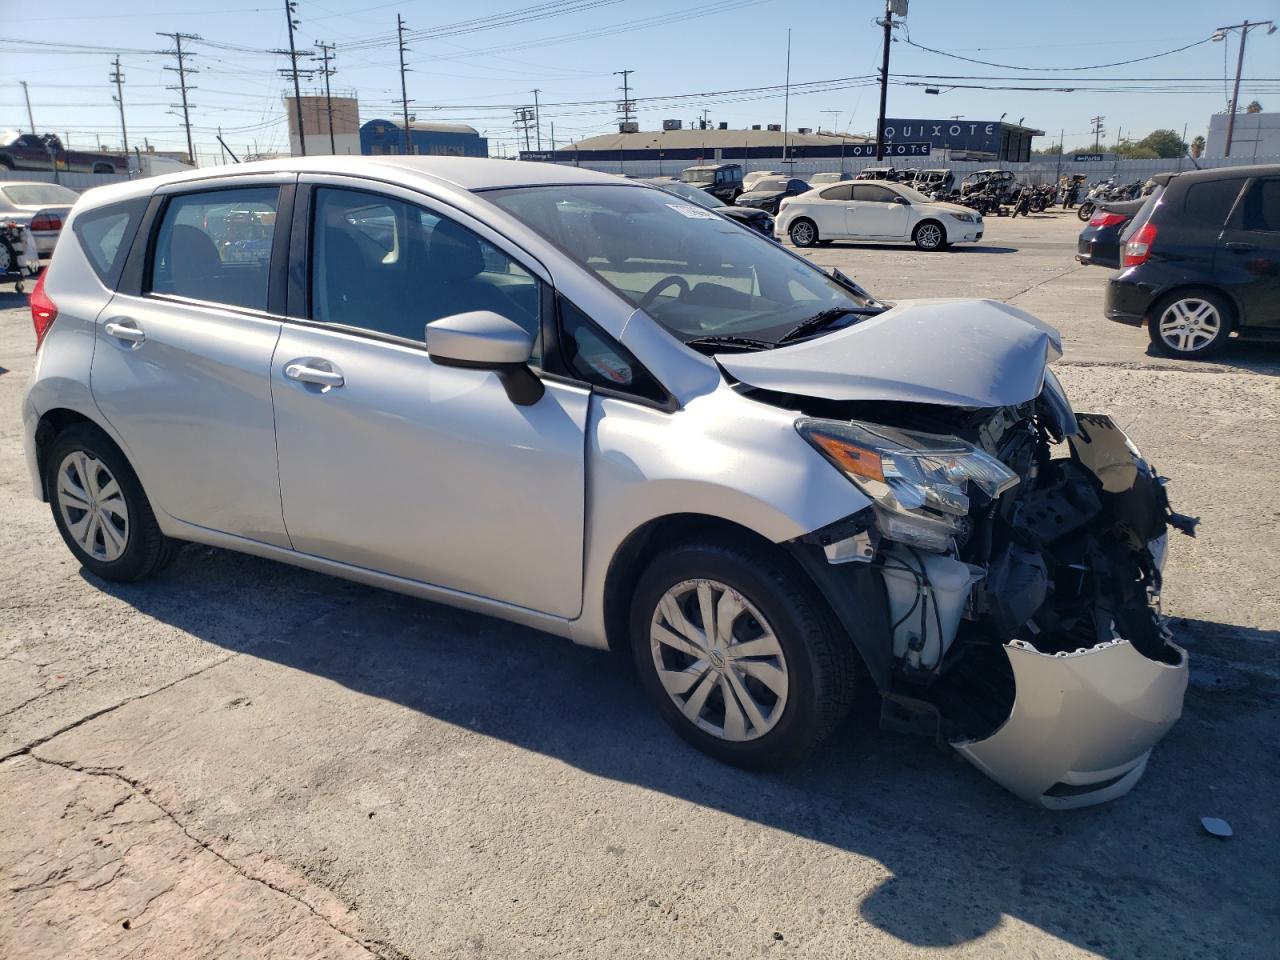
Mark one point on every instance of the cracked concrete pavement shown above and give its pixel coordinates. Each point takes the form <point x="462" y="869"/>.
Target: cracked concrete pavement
<point x="242" y="759"/>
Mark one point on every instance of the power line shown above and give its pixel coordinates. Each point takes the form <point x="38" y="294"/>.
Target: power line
<point x="1095" y="66"/>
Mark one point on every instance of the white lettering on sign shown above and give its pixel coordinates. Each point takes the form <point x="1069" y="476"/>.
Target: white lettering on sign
<point x="990" y="129"/>
<point x="954" y="130"/>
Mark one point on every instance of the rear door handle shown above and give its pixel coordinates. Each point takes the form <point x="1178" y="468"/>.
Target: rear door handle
<point x="300" y="370"/>
<point x="125" y="329"/>
<point x="1241" y="246"/>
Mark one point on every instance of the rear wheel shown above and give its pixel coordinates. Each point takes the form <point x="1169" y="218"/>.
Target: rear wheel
<point x="804" y="233"/>
<point x="1085" y="211"/>
<point x="100" y="509"/>
<point x="929" y="235"/>
<point x="740" y="654"/>
<point x="1190" y="323"/>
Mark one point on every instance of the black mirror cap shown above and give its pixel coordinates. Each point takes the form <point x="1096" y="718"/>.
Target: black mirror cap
<point x="524" y="387"/>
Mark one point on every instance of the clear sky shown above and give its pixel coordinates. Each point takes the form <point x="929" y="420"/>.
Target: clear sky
<point x="476" y="66"/>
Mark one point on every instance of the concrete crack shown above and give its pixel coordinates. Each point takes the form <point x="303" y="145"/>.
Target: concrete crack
<point x="1040" y="283"/>
<point x="375" y="948"/>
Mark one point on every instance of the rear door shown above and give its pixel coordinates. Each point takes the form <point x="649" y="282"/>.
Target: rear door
<point x="181" y="368"/>
<point x="875" y="213"/>
<point x="394" y="463"/>
<point x="1247" y="261"/>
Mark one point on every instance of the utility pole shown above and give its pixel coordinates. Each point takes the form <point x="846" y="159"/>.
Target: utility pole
<point x="553" y="140"/>
<point x="1097" y="132"/>
<point x="31" y="120"/>
<point x="537" y="117"/>
<point x="293" y="53"/>
<point x="404" y="93"/>
<point x="118" y="79"/>
<point x="1234" y="106"/>
<point x="182" y="70"/>
<point x="222" y="146"/>
<point x="890" y="8"/>
<point x="626" y="107"/>
<point x="524" y="120"/>
<point x="326" y="57"/>
<point x="786" y="99"/>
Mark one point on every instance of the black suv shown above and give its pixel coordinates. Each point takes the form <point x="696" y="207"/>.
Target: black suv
<point x="1201" y="259"/>
<point x="722" y="180"/>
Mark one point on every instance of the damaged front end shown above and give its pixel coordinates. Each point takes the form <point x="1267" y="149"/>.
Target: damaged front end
<point x="1021" y="551"/>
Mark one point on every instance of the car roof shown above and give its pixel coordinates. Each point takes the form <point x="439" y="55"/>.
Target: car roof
<point x="460" y="173"/>
<point x="1188" y="177"/>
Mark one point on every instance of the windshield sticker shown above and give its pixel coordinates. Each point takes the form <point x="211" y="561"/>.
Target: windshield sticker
<point x="692" y="212"/>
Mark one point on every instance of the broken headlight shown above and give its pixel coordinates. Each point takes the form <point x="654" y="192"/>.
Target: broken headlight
<point x="918" y="482"/>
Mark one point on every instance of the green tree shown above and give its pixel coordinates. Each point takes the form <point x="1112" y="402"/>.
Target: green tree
<point x="1253" y="107"/>
<point x="1158" y="143"/>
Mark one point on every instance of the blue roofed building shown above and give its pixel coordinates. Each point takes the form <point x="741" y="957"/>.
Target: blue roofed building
<point x="428" y="139"/>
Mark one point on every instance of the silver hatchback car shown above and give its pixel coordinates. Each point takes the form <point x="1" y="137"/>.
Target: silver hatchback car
<point x="582" y="404"/>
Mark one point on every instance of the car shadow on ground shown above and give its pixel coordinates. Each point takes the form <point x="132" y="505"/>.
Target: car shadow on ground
<point x="963" y="853"/>
<point x="1253" y="356"/>
<point x="954" y="248"/>
<point x="11" y="299"/>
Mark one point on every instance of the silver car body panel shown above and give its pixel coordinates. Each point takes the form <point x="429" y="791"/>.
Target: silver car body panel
<point x="1083" y="722"/>
<point x="963" y="353"/>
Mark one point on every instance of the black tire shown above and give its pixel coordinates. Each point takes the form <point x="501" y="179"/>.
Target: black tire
<point x="146" y="549"/>
<point x="819" y="660"/>
<point x="929" y="235"/>
<point x="6" y="164"/>
<point x="1085" y="211"/>
<point x="1036" y="205"/>
<point x="804" y="233"/>
<point x="1193" y="298"/>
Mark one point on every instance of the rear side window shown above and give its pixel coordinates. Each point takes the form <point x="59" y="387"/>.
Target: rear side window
<point x="869" y="193"/>
<point x="1210" y="202"/>
<point x="105" y="235"/>
<point x="1262" y="206"/>
<point x="842" y="192"/>
<point x="216" y="246"/>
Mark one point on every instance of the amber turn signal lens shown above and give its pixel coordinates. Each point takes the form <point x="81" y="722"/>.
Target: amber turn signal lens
<point x="852" y="459"/>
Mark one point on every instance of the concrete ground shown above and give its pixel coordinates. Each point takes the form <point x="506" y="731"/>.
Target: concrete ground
<point x="242" y="759"/>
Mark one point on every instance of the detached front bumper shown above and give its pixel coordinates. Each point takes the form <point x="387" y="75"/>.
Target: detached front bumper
<point x="1083" y="723"/>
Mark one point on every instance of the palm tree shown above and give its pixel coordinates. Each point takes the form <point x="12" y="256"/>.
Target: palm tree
<point x="1197" y="146"/>
<point x="1253" y="107"/>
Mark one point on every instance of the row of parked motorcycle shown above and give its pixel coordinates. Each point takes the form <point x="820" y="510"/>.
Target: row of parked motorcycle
<point x="998" y="192"/>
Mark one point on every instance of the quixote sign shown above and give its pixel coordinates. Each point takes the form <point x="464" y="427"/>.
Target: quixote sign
<point x="973" y="135"/>
<point x="890" y="150"/>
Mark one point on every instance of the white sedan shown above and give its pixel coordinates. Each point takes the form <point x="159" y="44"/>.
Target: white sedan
<point x="861" y="210"/>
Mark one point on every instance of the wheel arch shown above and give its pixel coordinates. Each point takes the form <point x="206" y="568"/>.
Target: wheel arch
<point x="930" y="218"/>
<point x="51" y="424"/>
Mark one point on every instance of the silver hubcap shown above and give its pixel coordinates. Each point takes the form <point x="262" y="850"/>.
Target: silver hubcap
<point x="1190" y="324"/>
<point x="802" y="234"/>
<point x="719" y="660"/>
<point x="93" y="506"/>
<point x="930" y="236"/>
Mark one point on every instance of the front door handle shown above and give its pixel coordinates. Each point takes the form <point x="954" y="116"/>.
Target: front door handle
<point x="125" y="329"/>
<point x="304" y="373"/>
<point x="1241" y="246"/>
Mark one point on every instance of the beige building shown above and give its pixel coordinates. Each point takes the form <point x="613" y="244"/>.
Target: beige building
<point x="315" y="124"/>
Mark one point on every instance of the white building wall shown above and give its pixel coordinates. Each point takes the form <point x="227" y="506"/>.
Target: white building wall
<point x="1255" y="135"/>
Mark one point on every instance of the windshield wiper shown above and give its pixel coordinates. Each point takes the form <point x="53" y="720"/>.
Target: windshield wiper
<point x="731" y="342"/>
<point x="818" y="321"/>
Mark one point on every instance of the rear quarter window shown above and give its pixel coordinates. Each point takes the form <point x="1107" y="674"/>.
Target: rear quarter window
<point x="1210" y="201"/>
<point x="106" y="234"/>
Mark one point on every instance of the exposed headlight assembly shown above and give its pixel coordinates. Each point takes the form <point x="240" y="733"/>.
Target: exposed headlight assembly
<point x="918" y="482"/>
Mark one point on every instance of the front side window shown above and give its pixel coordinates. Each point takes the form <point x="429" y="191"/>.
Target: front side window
<point x="596" y="358"/>
<point x="696" y="273"/>
<point x="391" y="267"/>
<point x="216" y="246"/>
<point x="1262" y="206"/>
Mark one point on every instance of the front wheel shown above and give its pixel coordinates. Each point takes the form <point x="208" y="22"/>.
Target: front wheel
<point x="929" y="236"/>
<point x="804" y="233"/>
<point x="1190" y="324"/>
<point x="100" y="509"/>
<point x="1085" y="211"/>
<point x="739" y="654"/>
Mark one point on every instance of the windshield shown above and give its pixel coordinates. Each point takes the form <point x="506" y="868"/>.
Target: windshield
<point x="36" y="193"/>
<point x="693" y="271"/>
<point x="698" y="176"/>
<point x="769" y="185"/>
<point x="692" y="194"/>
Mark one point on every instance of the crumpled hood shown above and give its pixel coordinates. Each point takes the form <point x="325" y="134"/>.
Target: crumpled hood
<point x="959" y="353"/>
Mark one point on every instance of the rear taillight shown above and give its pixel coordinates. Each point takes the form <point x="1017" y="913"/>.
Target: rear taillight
<point x="43" y="311"/>
<point x="1103" y="219"/>
<point x="46" y="221"/>
<point x="1138" y="249"/>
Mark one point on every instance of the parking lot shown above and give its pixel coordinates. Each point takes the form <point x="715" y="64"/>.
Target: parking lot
<point x="243" y="759"/>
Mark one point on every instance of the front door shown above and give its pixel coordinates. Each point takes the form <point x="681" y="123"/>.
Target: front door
<point x="1247" y="260"/>
<point x="875" y="212"/>
<point x="393" y="463"/>
<point x="181" y="370"/>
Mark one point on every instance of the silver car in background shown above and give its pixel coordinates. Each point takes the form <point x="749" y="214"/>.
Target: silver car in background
<point x="41" y="207"/>
<point x="585" y="405"/>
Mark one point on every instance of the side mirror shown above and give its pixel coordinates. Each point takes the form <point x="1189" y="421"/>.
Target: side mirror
<point x="483" y="340"/>
<point x="903" y="200"/>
